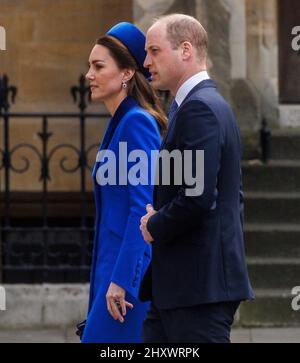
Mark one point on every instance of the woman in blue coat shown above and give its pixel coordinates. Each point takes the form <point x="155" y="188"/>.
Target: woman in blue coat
<point x="120" y="255"/>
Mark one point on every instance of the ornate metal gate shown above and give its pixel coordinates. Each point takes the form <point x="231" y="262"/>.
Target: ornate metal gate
<point x="45" y="236"/>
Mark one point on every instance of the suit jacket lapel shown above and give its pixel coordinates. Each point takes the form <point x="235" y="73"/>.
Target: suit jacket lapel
<point x="204" y="84"/>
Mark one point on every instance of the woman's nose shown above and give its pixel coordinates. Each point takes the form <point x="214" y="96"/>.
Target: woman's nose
<point x="89" y="75"/>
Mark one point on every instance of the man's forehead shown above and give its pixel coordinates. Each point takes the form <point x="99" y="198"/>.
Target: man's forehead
<point x="157" y="27"/>
<point x="156" y="32"/>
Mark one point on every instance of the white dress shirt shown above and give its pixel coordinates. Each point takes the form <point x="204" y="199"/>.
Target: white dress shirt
<point x="188" y="85"/>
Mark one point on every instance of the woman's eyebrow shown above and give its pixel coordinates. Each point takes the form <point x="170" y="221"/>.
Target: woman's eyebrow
<point x="96" y="61"/>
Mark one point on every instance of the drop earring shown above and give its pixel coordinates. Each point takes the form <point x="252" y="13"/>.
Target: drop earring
<point x="124" y="85"/>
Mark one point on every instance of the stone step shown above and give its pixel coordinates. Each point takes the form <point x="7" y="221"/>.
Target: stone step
<point x="272" y="207"/>
<point x="277" y="176"/>
<point x="44" y="305"/>
<point x="272" y="240"/>
<point x="270" y="308"/>
<point x="274" y="273"/>
<point x="284" y="145"/>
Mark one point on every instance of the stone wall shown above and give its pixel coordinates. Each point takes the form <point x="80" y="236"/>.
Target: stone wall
<point x="48" y="45"/>
<point x="262" y="55"/>
<point x="44" y="306"/>
<point x="214" y="15"/>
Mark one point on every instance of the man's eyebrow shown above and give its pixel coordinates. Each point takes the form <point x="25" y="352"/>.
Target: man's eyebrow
<point x="152" y="46"/>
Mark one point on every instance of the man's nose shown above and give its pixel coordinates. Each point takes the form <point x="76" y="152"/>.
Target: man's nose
<point x="147" y="61"/>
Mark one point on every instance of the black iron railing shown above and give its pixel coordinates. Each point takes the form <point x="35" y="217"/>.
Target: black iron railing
<point x="45" y="236"/>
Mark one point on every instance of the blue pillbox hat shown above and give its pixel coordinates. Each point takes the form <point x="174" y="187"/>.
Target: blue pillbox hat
<point x="134" y="40"/>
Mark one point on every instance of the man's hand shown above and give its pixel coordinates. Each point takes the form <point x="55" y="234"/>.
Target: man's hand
<point x="143" y="227"/>
<point x="115" y="299"/>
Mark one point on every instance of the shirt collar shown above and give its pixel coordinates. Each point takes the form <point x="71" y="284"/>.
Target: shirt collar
<point x="188" y="85"/>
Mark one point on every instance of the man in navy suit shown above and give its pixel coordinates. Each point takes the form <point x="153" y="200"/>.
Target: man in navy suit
<point x="198" y="274"/>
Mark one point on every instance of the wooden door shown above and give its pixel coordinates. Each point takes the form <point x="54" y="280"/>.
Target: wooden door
<point x="289" y="59"/>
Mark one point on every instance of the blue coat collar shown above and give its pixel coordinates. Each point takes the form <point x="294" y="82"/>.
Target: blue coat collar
<point x="127" y="104"/>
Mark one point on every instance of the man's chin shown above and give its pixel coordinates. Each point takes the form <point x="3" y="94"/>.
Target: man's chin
<point x="158" y="86"/>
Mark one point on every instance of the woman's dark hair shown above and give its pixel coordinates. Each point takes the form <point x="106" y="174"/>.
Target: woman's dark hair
<point x="138" y="87"/>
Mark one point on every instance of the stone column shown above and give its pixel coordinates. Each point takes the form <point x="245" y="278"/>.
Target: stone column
<point x="244" y="97"/>
<point x="262" y="54"/>
<point x="145" y="11"/>
<point x="237" y="36"/>
<point x="215" y="16"/>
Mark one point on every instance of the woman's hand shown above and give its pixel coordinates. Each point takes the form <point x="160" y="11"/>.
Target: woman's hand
<point x="115" y="299"/>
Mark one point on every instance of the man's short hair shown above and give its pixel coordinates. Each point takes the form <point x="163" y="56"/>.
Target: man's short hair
<point x="181" y="28"/>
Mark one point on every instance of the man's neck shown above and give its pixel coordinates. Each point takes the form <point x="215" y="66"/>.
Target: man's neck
<point x="187" y="75"/>
<point x="189" y="84"/>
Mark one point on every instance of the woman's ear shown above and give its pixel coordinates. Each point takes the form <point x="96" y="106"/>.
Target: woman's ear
<point x="128" y="74"/>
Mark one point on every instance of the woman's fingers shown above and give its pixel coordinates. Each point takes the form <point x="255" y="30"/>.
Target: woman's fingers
<point x="123" y="306"/>
<point x="115" y="311"/>
<point x="112" y="308"/>
<point x="114" y="304"/>
<point x="129" y="305"/>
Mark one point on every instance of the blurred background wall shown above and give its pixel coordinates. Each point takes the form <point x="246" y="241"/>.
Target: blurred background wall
<point x="48" y="46"/>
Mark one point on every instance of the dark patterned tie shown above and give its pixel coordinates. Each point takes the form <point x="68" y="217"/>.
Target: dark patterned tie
<point x="172" y="111"/>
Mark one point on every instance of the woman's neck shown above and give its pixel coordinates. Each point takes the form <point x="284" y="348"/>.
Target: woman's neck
<point x="113" y="103"/>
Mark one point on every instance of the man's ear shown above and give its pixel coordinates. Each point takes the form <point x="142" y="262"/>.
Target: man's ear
<point x="128" y="74"/>
<point x="186" y="50"/>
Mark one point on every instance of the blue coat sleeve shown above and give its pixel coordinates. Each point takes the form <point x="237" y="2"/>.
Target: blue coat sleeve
<point x="199" y="130"/>
<point x="140" y="131"/>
